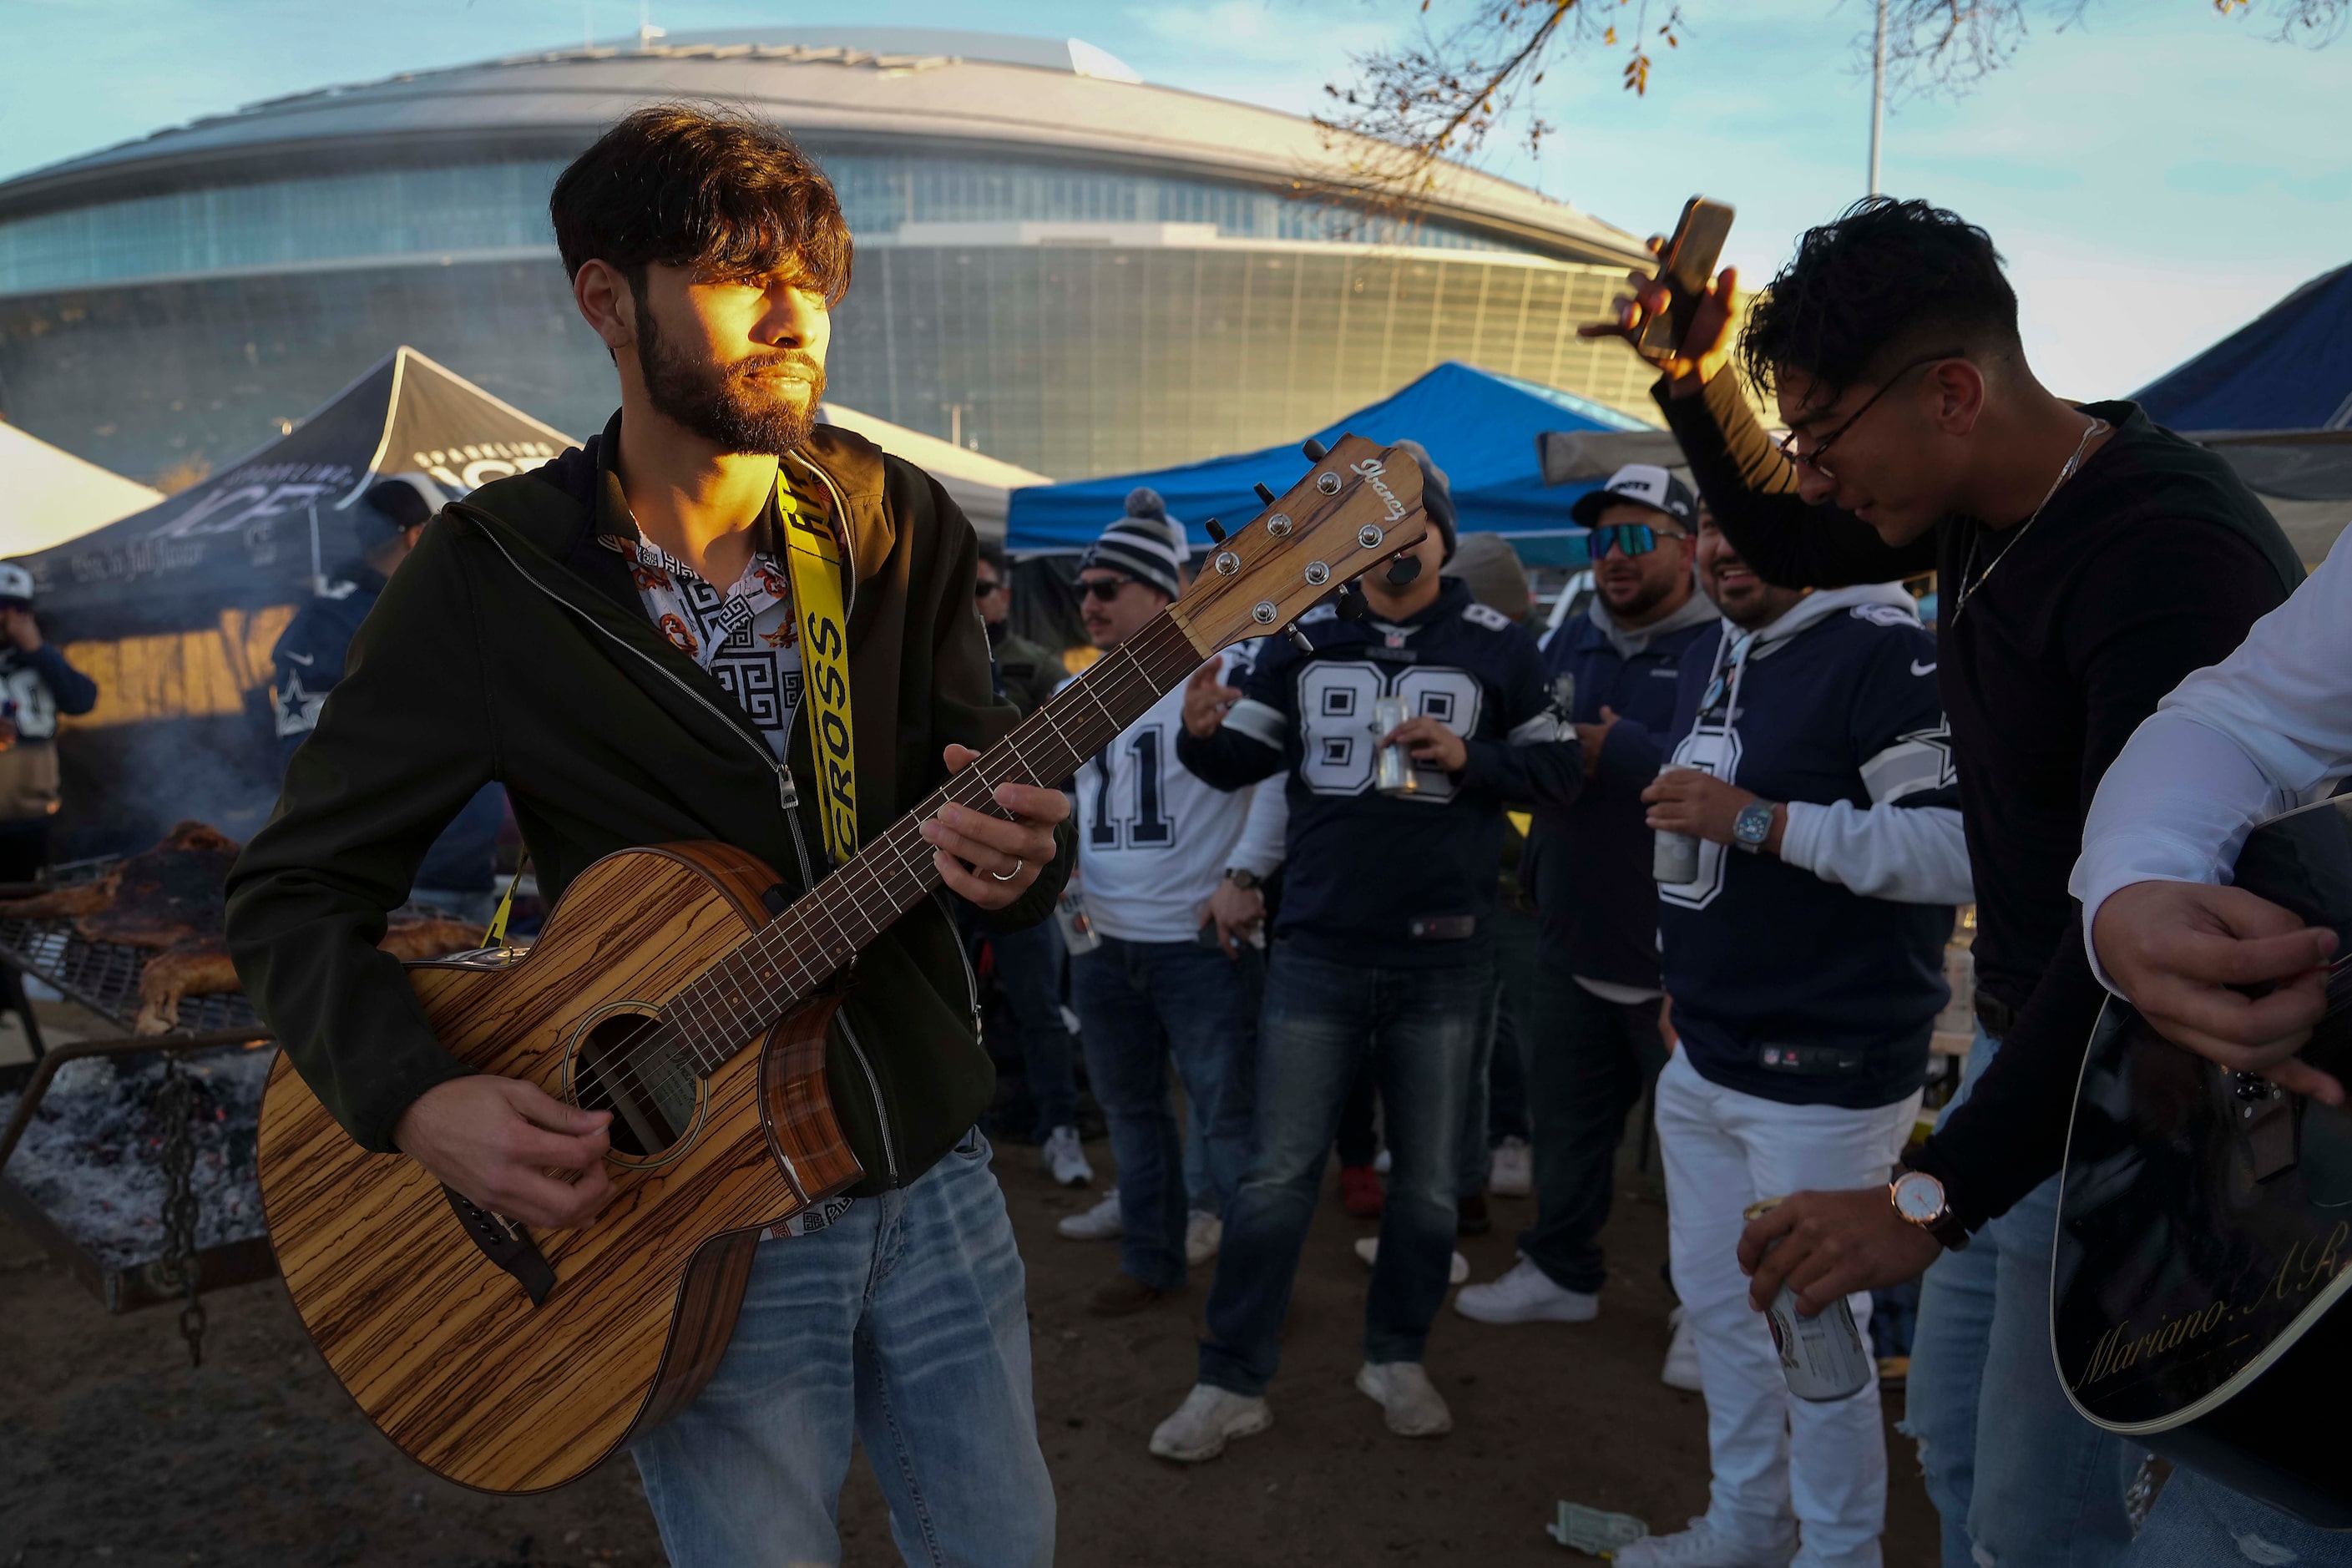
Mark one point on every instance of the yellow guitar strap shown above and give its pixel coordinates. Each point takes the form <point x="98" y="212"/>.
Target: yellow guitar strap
<point x="816" y="563"/>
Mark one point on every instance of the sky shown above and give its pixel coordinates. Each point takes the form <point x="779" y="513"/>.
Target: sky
<point x="2156" y="175"/>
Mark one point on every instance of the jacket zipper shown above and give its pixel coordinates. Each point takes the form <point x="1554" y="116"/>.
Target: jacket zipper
<point x="789" y="797"/>
<point x="970" y="977"/>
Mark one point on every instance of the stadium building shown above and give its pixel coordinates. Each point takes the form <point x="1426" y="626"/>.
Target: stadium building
<point x="1057" y="264"/>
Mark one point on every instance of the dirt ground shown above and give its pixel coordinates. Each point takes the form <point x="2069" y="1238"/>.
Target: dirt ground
<point x="113" y="1451"/>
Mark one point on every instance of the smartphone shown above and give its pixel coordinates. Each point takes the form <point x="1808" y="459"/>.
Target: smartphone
<point x="1684" y="266"/>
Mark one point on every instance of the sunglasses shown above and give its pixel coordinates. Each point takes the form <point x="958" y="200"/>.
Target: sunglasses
<point x="983" y="587"/>
<point x="1104" y="588"/>
<point x="1632" y="538"/>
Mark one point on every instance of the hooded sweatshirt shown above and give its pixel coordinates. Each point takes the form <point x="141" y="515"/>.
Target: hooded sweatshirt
<point x="1588" y="862"/>
<point x="1786" y="985"/>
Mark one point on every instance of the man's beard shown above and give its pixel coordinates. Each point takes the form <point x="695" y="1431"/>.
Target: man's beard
<point x="1647" y="596"/>
<point x="733" y="405"/>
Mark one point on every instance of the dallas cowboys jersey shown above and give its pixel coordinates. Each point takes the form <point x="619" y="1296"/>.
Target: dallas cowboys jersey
<point x="1409" y="881"/>
<point x="1786" y="986"/>
<point x="1153" y="840"/>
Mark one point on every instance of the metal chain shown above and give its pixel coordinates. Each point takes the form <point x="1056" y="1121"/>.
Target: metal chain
<point x="176" y="1102"/>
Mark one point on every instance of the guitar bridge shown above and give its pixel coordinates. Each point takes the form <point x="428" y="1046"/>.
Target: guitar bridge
<point x="504" y="1242"/>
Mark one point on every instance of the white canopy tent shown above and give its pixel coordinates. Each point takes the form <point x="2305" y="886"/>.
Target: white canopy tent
<point x="979" y="485"/>
<point x="49" y="496"/>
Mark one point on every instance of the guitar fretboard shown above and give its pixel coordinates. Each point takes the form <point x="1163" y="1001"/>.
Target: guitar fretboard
<point x="738" y="998"/>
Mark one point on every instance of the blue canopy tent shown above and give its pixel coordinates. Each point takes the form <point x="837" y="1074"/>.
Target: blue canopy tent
<point x="2290" y="368"/>
<point x="1479" y="427"/>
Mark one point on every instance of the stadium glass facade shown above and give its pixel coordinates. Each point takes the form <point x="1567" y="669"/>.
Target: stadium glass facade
<point x="162" y="333"/>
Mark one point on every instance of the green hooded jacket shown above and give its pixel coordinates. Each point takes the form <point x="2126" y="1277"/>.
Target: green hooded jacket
<point x="511" y="645"/>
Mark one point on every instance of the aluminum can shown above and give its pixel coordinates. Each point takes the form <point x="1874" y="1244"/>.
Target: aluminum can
<point x="1822" y="1357"/>
<point x="1392" y="769"/>
<point x="1673" y="859"/>
<point x="1078" y="933"/>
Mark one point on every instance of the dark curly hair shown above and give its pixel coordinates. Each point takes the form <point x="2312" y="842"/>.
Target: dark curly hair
<point x="725" y="194"/>
<point x="1875" y="284"/>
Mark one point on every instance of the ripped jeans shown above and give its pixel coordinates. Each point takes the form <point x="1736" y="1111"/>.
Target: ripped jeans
<point x="2020" y="1479"/>
<point x="2200" y="1523"/>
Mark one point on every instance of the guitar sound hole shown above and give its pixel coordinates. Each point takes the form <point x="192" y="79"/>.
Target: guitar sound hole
<point x="650" y="1095"/>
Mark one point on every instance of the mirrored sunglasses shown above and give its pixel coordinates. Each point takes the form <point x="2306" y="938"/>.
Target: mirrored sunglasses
<point x="1632" y="538"/>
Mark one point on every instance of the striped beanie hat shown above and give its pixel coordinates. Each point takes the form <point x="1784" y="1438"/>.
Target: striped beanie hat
<point x="1146" y="544"/>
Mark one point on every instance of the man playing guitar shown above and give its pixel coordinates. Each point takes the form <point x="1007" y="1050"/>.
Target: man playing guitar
<point x="615" y="638"/>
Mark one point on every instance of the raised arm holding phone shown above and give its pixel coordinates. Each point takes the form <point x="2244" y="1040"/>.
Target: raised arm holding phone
<point x="1921" y="440"/>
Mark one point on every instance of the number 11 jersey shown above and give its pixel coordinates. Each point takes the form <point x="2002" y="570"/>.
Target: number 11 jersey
<point x="1153" y="840"/>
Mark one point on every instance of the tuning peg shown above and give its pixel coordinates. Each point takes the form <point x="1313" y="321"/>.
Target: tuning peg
<point x="1264" y="494"/>
<point x="1351" y="606"/>
<point x="1216" y="534"/>
<point x="1403" y="569"/>
<point x="1299" y="638"/>
<point x="1316" y="450"/>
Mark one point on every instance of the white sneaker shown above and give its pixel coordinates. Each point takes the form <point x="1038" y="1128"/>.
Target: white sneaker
<point x="1208" y="1418"/>
<point x="1412" y="1407"/>
<point x="1369" y="1248"/>
<point x="1100" y="1223"/>
<point x="1701" y="1547"/>
<point x="1203" y="1233"/>
<point x="1681" y="1370"/>
<point x="1526" y="1295"/>
<point x="1513" y="1173"/>
<point x="1066" y="1158"/>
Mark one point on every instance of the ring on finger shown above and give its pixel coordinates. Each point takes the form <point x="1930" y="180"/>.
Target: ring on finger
<point x="1008" y="876"/>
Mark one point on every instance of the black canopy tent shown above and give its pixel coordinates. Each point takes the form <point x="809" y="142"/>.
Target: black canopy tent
<point x="173" y="610"/>
<point x="257" y="533"/>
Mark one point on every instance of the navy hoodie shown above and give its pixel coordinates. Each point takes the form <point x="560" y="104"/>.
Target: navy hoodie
<point x="1785" y="986"/>
<point x="1588" y="862"/>
<point x="1398" y="882"/>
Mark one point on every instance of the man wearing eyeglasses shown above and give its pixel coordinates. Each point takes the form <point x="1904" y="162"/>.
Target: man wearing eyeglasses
<point x="1596" y="981"/>
<point x="2086" y="560"/>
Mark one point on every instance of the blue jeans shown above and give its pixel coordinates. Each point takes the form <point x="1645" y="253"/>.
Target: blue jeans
<point x="1139" y="1002"/>
<point x="1586" y="1072"/>
<point x="1420" y="1027"/>
<point x="1029" y="968"/>
<point x="2200" y="1523"/>
<point x="1497" y="1107"/>
<point x="902" y="1323"/>
<point x="2020" y="1479"/>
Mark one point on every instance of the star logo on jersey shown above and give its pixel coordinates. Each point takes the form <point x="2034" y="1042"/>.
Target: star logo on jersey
<point x="1938" y="740"/>
<point x="298" y="709"/>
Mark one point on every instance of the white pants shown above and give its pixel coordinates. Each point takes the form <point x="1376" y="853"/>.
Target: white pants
<point x="1723" y="1150"/>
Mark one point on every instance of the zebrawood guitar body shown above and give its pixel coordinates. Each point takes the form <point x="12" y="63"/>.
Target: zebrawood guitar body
<point x="440" y="1342"/>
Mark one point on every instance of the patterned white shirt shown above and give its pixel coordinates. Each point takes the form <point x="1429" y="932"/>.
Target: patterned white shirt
<point x="746" y="637"/>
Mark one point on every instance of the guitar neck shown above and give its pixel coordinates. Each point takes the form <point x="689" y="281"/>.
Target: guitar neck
<point x="743" y="993"/>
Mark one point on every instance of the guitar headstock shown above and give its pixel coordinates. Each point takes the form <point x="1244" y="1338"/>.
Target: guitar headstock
<point x="1358" y="506"/>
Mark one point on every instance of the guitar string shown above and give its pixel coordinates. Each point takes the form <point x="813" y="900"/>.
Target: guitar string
<point x="655" y="1057"/>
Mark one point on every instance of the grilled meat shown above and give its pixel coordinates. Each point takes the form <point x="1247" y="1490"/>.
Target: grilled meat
<point x="202" y="968"/>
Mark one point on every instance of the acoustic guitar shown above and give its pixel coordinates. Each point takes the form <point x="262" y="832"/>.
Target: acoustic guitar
<point x="2205" y="1230"/>
<point x="674" y="986"/>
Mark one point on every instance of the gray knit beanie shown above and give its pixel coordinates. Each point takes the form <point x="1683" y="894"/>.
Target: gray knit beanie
<point x="1146" y="544"/>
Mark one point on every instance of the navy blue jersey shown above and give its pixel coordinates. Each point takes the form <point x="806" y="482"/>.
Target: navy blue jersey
<point x="1395" y="880"/>
<point x="309" y="663"/>
<point x="1786" y="986"/>
<point x="1588" y="864"/>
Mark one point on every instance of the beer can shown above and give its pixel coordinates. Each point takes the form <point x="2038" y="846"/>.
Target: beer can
<point x="1822" y="1357"/>
<point x="1392" y="769"/>
<point x="1078" y="933"/>
<point x="1674" y="857"/>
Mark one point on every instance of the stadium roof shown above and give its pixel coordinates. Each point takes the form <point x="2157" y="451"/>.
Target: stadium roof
<point x="840" y="87"/>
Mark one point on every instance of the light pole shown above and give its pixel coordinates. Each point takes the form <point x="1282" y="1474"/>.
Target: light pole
<point x="1878" y="93"/>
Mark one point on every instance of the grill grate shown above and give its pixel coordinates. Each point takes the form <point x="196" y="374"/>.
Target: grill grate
<point x="104" y="975"/>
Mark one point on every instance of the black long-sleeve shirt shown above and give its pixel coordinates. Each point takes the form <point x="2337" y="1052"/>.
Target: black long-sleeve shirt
<point x="2152" y="562"/>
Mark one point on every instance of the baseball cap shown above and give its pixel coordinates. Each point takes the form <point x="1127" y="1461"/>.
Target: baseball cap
<point x="1644" y="484"/>
<point x="393" y="505"/>
<point x="16" y="583"/>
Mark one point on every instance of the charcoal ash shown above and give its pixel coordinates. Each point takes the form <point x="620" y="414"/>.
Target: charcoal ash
<point x="91" y="1158"/>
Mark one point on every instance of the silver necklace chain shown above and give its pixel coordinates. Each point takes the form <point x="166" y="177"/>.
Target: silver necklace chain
<point x="1969" y="590"/>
